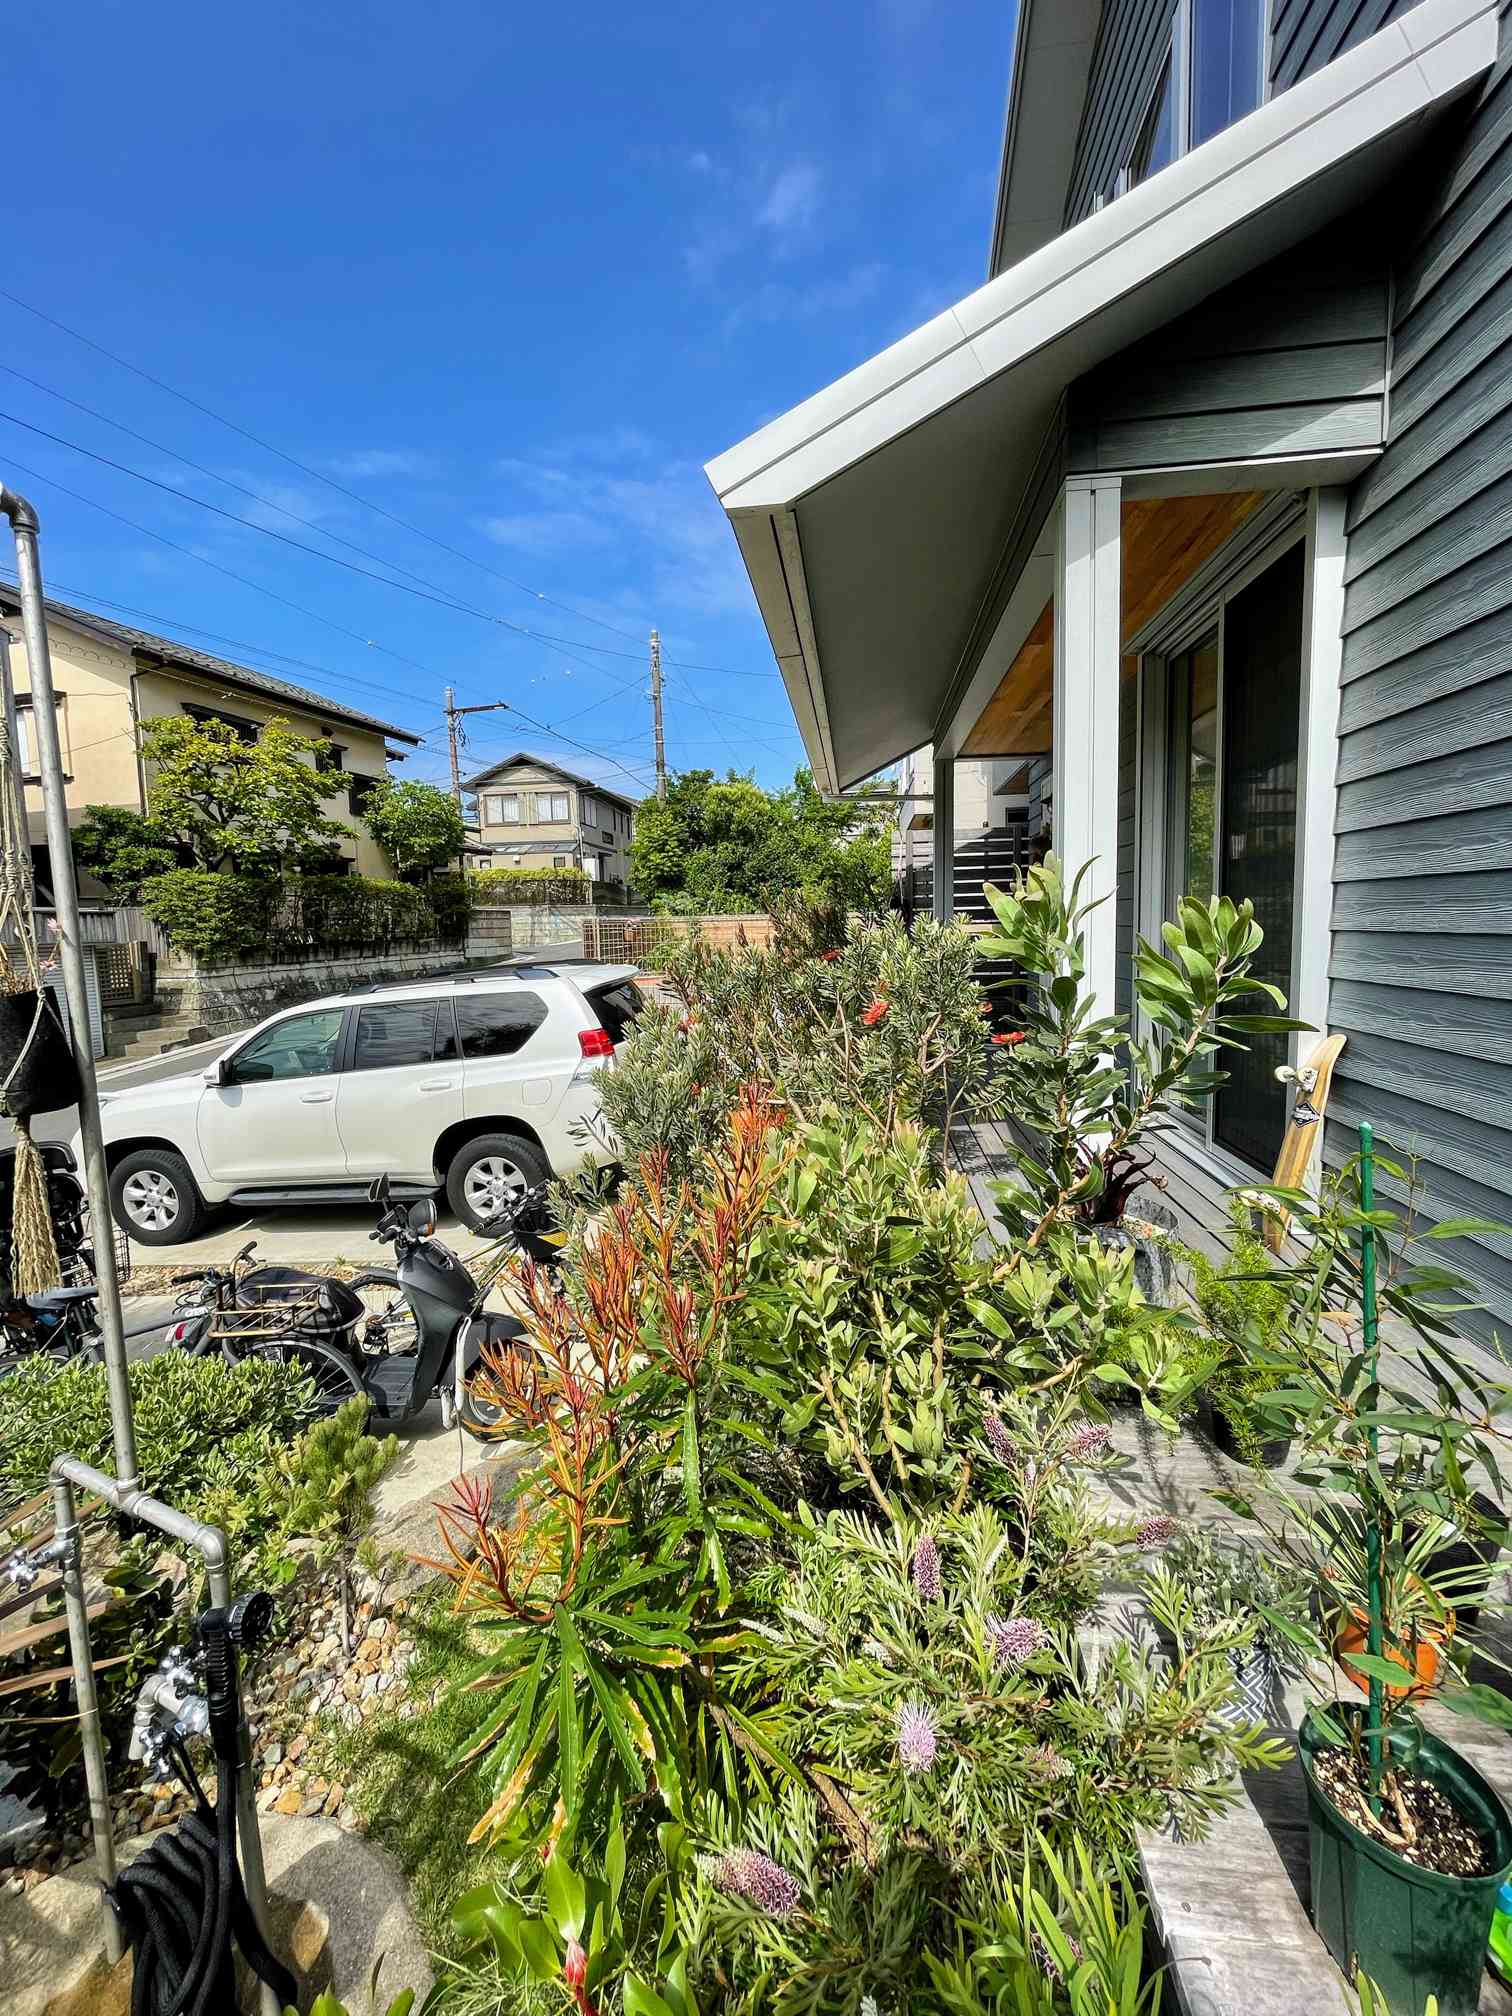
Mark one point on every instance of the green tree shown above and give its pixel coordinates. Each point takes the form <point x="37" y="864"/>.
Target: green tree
<point x="235" y="805"/>
<point x="123" y="849"/>
<point x="418" y="825"/>
<point x="724" y="845"/>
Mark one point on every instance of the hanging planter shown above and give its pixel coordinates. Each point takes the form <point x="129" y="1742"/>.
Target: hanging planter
<point x="37" y="1071"/>
<point x="1416" y="1932"/>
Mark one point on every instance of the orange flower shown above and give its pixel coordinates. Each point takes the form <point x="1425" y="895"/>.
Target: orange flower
<point x="871" y="1016"/>
<point x="829" y="955"/>
<point x="1013" y="1036"/>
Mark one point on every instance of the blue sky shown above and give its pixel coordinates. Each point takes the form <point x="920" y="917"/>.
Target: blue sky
<point x="511" y="279"/>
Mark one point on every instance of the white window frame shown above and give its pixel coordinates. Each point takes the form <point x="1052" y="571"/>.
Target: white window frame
<point x="26" y="735"/>
<point x="1190" y="621"/>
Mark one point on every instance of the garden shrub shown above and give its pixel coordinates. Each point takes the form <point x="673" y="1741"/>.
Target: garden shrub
<point x="216" y="917"/>
<point x="793" y="1588"/>
<point x="221" y="918"/>
<point x="891" y="1026"/>
<point x="531" y="885"/>
<point x="203" y="1427"/>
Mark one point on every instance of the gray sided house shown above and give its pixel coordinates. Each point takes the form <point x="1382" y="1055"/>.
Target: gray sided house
<point x="1200" y="508"/>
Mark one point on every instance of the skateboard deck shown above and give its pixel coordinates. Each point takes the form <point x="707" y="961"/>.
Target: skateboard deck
<point x="1303" y="1131"/>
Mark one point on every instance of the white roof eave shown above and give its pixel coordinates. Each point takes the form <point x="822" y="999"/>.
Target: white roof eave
<point x="1245" y="196"/>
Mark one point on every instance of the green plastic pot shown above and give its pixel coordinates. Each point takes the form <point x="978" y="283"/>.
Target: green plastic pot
<point x="1413" y="1932"/>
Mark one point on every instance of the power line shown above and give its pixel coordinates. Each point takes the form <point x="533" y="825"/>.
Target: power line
<point x="320" y="476"/>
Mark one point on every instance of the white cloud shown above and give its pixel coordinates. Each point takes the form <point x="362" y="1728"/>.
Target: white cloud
<point x="792" y="301"/>
<point x="792" y="201"/>
<point x="544" y="531"/>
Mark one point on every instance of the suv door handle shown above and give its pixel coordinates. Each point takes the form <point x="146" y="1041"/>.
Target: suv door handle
<point x="317" y="1098"/>
<point x="435" y="1084"/>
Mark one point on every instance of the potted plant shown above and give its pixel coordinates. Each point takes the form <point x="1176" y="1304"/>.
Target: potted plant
<point x="1409" y="1843"/>
<point x="1230" y="1587"/>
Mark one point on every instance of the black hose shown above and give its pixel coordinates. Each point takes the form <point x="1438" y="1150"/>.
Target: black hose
<point x="183" y="1909"/>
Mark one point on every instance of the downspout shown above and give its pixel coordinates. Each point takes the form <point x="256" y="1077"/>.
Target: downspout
<point x="65" y="890"/>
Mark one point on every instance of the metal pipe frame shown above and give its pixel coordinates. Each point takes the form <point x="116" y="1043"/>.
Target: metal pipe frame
<point x="23" y="519"/>
<point x="209" y="1542"/>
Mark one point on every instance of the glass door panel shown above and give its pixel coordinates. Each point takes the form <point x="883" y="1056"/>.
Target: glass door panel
<point x="1257" y="856"/>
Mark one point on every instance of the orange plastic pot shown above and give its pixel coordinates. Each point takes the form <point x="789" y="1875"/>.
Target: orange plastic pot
<point x="1428" y="1650"/>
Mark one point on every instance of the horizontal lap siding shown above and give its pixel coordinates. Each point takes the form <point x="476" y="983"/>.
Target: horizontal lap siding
<point x="1289" y="360"/>
<point x="1306" y="34"/>
<point x="1132" y="42"/>
<point x="1422" y="920"/>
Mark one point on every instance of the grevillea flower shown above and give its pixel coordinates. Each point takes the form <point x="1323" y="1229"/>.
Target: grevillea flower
<point x="1048" y="1760"/>
<point x="1001" y="1442"/>
<point x="1007" y="1040"/>
<point x="917" y="1741"/>
<point x="1012" y="1640"/>
<point x="1090" y="1440"/>
<point x="830" y="957"/>
<point x="1157" y="1530"/>
<point x="871" y="1016"/>
<point x="763" y="1883"/>
<point x="926" y="1569"/>
<point x="1045" y="1960"/>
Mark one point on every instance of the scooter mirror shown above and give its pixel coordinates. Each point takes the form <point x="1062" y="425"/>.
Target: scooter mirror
<point x="422" y="1219"/>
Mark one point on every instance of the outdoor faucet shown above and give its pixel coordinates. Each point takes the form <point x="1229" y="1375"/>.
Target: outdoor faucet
<point x="23" y="1568"/>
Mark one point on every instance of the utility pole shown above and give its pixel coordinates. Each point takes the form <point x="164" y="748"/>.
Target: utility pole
<point x="656" y="714"/>
<point x="455" y="737"/>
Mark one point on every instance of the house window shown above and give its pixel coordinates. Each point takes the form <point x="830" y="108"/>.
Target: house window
<point x="1228" y="38"/>
<point x="553" y="805"/>
<point x="360" y="791"/>
<point x="1211" y="76"/>
<point x="1156" y="146"/>
<point x="241" y="727"/>
<point x="501" y="809"/>
<point x="1234" y="709"/>
<point x="328" y="757"/>
<point x="559" y="861"/>
<point x="26" y="737"/>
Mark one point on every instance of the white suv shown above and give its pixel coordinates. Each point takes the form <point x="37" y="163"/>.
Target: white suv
<point x="483" y="1084"/>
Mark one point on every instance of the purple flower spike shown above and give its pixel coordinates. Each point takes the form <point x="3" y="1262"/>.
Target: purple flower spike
<point x="1045" y="1960"/>
<point x="1091" y="1440"/>
<point x="1157" y="1530"/>
<point x="917" y="1741"/>
<point x="763" y="1883"/>
<point x="1001" y="1442"/>
<point x="1012" y="1640"/>
<point x="926" y="1569"/>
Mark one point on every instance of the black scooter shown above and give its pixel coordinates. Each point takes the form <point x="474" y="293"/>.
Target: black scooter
<point x="426" y="1339"/>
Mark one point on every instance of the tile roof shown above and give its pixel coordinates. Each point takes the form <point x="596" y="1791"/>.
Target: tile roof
<point x="218" y="668"/>
<point x="496" y="770"/>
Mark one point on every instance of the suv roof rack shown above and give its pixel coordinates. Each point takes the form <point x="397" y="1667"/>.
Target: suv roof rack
<point x="457" y="976"/>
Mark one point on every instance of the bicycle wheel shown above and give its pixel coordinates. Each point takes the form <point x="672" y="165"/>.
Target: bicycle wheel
<point x="333" y="1379"/>
<point x="390" y="1321"/>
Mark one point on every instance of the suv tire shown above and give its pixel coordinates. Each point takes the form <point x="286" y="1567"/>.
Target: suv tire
<point x="486" y="1171"/>
<point x="155" y="1198"/>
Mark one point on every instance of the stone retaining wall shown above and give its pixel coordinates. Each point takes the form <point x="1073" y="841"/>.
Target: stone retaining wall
<point x="216" y="1000"/>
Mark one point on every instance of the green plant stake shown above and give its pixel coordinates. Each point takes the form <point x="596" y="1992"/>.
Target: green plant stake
<point x="1375" y="1717"/>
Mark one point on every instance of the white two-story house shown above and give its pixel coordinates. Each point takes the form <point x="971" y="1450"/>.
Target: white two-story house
<point x="534" y="814"/>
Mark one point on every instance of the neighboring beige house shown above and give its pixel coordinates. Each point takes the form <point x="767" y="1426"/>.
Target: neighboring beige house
<point x="534" y="814"/>
<point x="109" y="677"/>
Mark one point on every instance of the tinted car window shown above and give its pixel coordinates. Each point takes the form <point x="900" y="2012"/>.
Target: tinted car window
<point x="617" y="1007"/>
<point x="496" y="1025"/>
<point x="394" y="1032"/>
<point x="301" y="1046"/>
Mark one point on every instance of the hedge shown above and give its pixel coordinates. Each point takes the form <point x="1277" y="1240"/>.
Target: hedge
<point x="223" y="918"/>
<point x="531" y="885"/>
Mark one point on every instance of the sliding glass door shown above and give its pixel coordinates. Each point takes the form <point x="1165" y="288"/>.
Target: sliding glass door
<point x="1233" y="708"/>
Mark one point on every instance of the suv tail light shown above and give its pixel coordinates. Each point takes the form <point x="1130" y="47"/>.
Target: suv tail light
<point x="595" y="1043"/>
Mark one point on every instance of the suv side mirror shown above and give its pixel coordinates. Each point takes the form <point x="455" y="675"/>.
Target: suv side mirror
<point x="219" y="1072"/>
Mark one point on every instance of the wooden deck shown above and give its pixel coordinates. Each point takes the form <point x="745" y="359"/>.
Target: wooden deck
<point x="1232" y="1911"/>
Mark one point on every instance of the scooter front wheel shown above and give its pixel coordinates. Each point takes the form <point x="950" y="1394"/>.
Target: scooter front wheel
<point x="333" y="1379"/>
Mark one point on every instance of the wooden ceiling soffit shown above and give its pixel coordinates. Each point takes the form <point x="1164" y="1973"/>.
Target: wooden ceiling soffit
<point x="1165" y="541"/>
